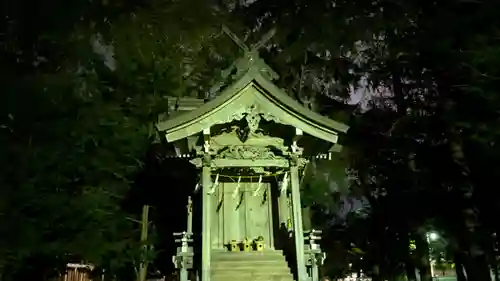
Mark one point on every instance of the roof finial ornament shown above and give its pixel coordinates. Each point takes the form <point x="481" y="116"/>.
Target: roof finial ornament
<point x="251" y="55"/>
<point x="248" y="60"/>
<point x="235" y="39"/>
<point x="255" y="47"/>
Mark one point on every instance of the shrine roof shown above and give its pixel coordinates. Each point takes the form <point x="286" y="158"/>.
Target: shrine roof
<point x="252" y="89"/>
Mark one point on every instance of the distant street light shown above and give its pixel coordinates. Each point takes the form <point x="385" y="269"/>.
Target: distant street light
<point x="432" y="236"/>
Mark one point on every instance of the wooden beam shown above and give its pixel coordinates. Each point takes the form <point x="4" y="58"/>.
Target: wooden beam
<point x="336" y="148"/>
<point x="222" y="163"/>
<point x="235" y="38"/>
<point x="78" y="265"/>
<point x="262" y="42"/>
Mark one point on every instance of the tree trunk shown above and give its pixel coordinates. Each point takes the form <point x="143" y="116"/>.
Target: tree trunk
<point x="376" y="276"/>
<point x="477" y="268"/>
<point x="422" y="255"/>
<point x="494" y="268"/>
<point x="410" y="270"/>
<point x="459" y="267"/>
<point x="476" y="263"/>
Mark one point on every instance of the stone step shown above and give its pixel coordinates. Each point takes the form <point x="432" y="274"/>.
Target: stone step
<point x="252" y="277"/>
<point x="264" y="252"/>
<point x="247" y="256"/>
<point x="236" y="264"/>
<point x="278" y="268"/>
<point x="269" y="265"/>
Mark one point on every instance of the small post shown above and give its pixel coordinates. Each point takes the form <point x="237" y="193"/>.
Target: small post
<point x="314" y="235"/>
<point x="184" y="258"/>
<point x="314" y="270"/>
<point x="143" y="267"/>
<point x="190" y="215"/>
<point x="184" y="250"/>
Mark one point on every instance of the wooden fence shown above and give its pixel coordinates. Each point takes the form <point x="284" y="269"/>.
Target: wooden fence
<point x="77" y="272"/>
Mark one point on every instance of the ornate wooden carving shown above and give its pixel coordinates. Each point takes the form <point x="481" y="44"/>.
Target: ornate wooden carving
<point x="247" y="152"/>
<point x="271" y="118"/>
<point x="197" y="162"/>
<point x="253" y="114"/>
<point x="253" y="118"/>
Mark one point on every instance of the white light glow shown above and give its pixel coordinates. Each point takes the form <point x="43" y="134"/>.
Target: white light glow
<point x="433" y="236"/>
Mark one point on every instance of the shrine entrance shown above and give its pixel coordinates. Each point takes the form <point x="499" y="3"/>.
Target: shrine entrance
<point x="244" y="211"/>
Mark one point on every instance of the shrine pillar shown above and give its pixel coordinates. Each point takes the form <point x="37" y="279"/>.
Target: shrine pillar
<point x="206" y="240"/>
<point x="206" y="206"/>
<point x="297" y="220"/>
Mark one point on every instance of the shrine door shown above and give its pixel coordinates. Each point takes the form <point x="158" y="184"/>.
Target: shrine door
<point x="241" y="213"/>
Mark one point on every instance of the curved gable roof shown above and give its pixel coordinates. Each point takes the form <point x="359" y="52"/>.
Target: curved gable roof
<point x="252" y="89"/>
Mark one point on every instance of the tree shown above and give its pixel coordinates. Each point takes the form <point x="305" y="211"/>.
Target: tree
<point x="74" y="150"/>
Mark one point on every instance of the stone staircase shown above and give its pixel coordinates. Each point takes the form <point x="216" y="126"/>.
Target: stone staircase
<point x="269" y="265"/>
